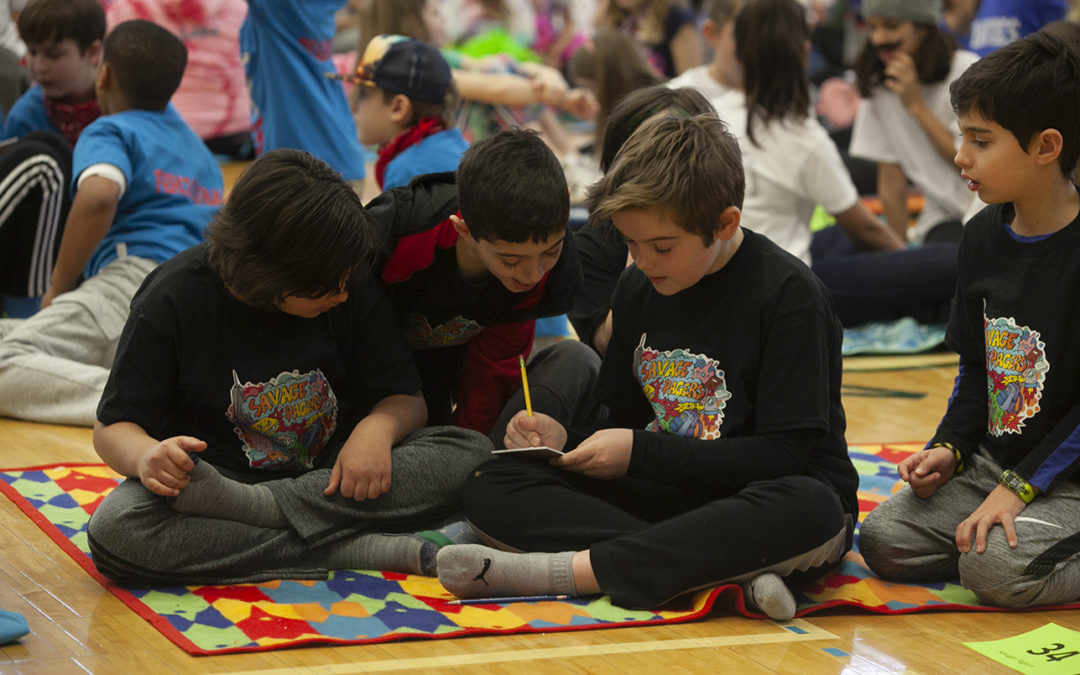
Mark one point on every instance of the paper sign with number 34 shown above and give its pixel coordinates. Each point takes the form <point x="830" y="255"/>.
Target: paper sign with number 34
<point x="1050" y="650"/>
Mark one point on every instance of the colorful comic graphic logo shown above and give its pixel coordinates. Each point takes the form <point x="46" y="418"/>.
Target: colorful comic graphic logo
<point x="457" y="331"/>
<point x="284" y="423"/>
<point x="687" y="391"/>
<point x="1016" y="368"/>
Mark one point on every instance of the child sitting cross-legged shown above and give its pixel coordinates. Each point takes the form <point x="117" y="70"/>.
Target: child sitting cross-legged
<point x="723" y="457"/>
<point x="264" y="406"/>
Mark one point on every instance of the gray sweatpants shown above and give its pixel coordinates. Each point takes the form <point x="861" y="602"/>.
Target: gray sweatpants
<point x="908" y="538"/>
<point x="135" y="537"/>
<point x="54" y="364"/>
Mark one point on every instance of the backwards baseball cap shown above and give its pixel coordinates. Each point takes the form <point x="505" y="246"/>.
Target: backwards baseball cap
<point x="403" y="65"/>
<point x="926" y="12"/>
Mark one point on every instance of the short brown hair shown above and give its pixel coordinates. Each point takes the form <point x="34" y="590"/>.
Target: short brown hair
<point x="689" y="168"/>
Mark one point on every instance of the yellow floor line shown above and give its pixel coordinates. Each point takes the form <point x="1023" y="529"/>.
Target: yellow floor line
<point x="810" y="632"/>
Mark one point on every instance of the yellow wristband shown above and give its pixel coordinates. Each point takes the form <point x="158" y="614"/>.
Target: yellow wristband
<point x="956" y="453"/>
<point x="1017" y="484"/>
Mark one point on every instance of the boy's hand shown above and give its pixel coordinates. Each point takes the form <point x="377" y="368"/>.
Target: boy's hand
<point x="164" y="469"/>
<point x="362" y="471"/>
<point x="1002" y="505"/>
<point x="527" y="431"/>
<point x="927" y="470"/>
<point x="605" y="454"/>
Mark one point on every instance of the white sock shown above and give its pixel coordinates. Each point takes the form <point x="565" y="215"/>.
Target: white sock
<point x="769" y="594"/>
<point x="475" y="571"/>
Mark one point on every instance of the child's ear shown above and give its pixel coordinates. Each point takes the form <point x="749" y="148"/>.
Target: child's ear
<point x="93" y="52"/>
<point x="103" y="77"/>
<point x="461" y="228"/>
<point x="1045" y="147"/>
<point x="727" y="223"/>
<point x="400" y="109"/>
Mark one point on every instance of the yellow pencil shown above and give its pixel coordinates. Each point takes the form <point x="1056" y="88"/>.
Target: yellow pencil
<point x="525" y="387"/>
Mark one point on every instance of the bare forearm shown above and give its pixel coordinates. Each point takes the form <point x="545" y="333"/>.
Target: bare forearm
<point x="91" y="215"/>
<point x="940" y="137"/>
<point x="392" y="419"/>
<point x="863" y="227"/>
<point x="122" y="446"/>
<point x="892" y="190"/>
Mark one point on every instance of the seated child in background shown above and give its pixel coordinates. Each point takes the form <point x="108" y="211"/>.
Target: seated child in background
<point x="722" y="75"/>
<point x="287" y="50"/>
<point x="474" y="260"/>
<point x="406" y="105"/>
<point x="64" y="49"/>
<point x="145" y="189"/>
<point x="63" y="41"/>
<point x="993" y="499"/>
<point x="262" y="399"/>
<point x="904" y="121"/>
<point x="722" y="380"/>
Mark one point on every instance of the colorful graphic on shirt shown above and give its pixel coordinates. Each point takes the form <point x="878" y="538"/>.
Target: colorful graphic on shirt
<point x="284" y="423"/>
<point x="420" y="335"/>
<point x="1016" y="368"/>
<point x="687" y="392"/>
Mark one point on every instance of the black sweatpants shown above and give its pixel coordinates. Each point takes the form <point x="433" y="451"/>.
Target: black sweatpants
<point x="649" y="541"/>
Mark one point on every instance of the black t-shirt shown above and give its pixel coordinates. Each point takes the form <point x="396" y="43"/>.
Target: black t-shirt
<point x="1016" y="324"/>
<point x="711" y="372"/>
<point x="266" y="390"/>
<point x="466" y="335"/>
<point x="603" y="259"/>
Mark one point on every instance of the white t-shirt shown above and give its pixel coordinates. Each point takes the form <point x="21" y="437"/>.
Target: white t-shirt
<point x="884" y="131"/>
<point x="793" y="167"/>
<point x="699" y="78"/>
<point x="9" y="32"/>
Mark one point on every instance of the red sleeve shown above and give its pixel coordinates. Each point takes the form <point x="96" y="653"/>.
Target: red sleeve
<point x="492" y="373"/>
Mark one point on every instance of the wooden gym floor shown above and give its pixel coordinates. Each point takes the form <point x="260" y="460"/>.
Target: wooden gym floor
<point x="79" y="627"/>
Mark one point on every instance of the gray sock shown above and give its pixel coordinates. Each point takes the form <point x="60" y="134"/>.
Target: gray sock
<point x="768" y="593"/>
<point x="474" y="571"/>
<point x="390" y="552"/>
<point x="211" y="494"/>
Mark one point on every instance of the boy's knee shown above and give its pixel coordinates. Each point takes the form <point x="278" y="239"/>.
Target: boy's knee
<point x="998" y="576"/>
<point x="878" y="539"/>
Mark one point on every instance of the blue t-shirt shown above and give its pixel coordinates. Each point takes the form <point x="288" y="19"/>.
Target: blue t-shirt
<point x="174" y="184"/>
<point x="28" y="114"/>
<point x="436" y="153"/>
<point x="999" y="22"/>
<point x="287" y="53"/>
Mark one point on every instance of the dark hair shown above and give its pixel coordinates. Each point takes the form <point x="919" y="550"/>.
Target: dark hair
<point x="1027" y="86"/>
<point x="769" y="43"/>
<point x="616" y="66"/>
<point x="54" y="20"/>
<point x="688" y="168"/>
<point x="147" y="62"/>
<point x="640" y="105"/>
<point x="933" y="60"/>
<point x="512" y="188"/>
<point x="290" y="226"/>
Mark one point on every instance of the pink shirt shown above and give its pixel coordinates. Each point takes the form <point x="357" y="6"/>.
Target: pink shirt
<point x="213" y="96"/>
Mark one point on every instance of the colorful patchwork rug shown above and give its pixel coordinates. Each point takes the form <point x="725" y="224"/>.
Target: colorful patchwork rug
<point x="356" y="607"/>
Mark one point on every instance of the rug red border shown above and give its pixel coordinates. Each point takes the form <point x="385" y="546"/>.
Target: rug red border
<point x="166" y="629"/>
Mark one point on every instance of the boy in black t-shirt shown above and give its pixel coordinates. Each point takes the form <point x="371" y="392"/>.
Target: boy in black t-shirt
<point x="724" y="457"/>
<point x="260" y="395"/>
<point x="994" y="498"/>
<point x="474" y="259"/>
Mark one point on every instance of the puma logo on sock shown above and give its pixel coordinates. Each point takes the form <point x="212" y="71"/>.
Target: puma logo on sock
<point x="480" y="577"/>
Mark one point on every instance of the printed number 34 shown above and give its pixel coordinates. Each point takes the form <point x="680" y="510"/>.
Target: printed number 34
<point x="1048" y="652"/>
